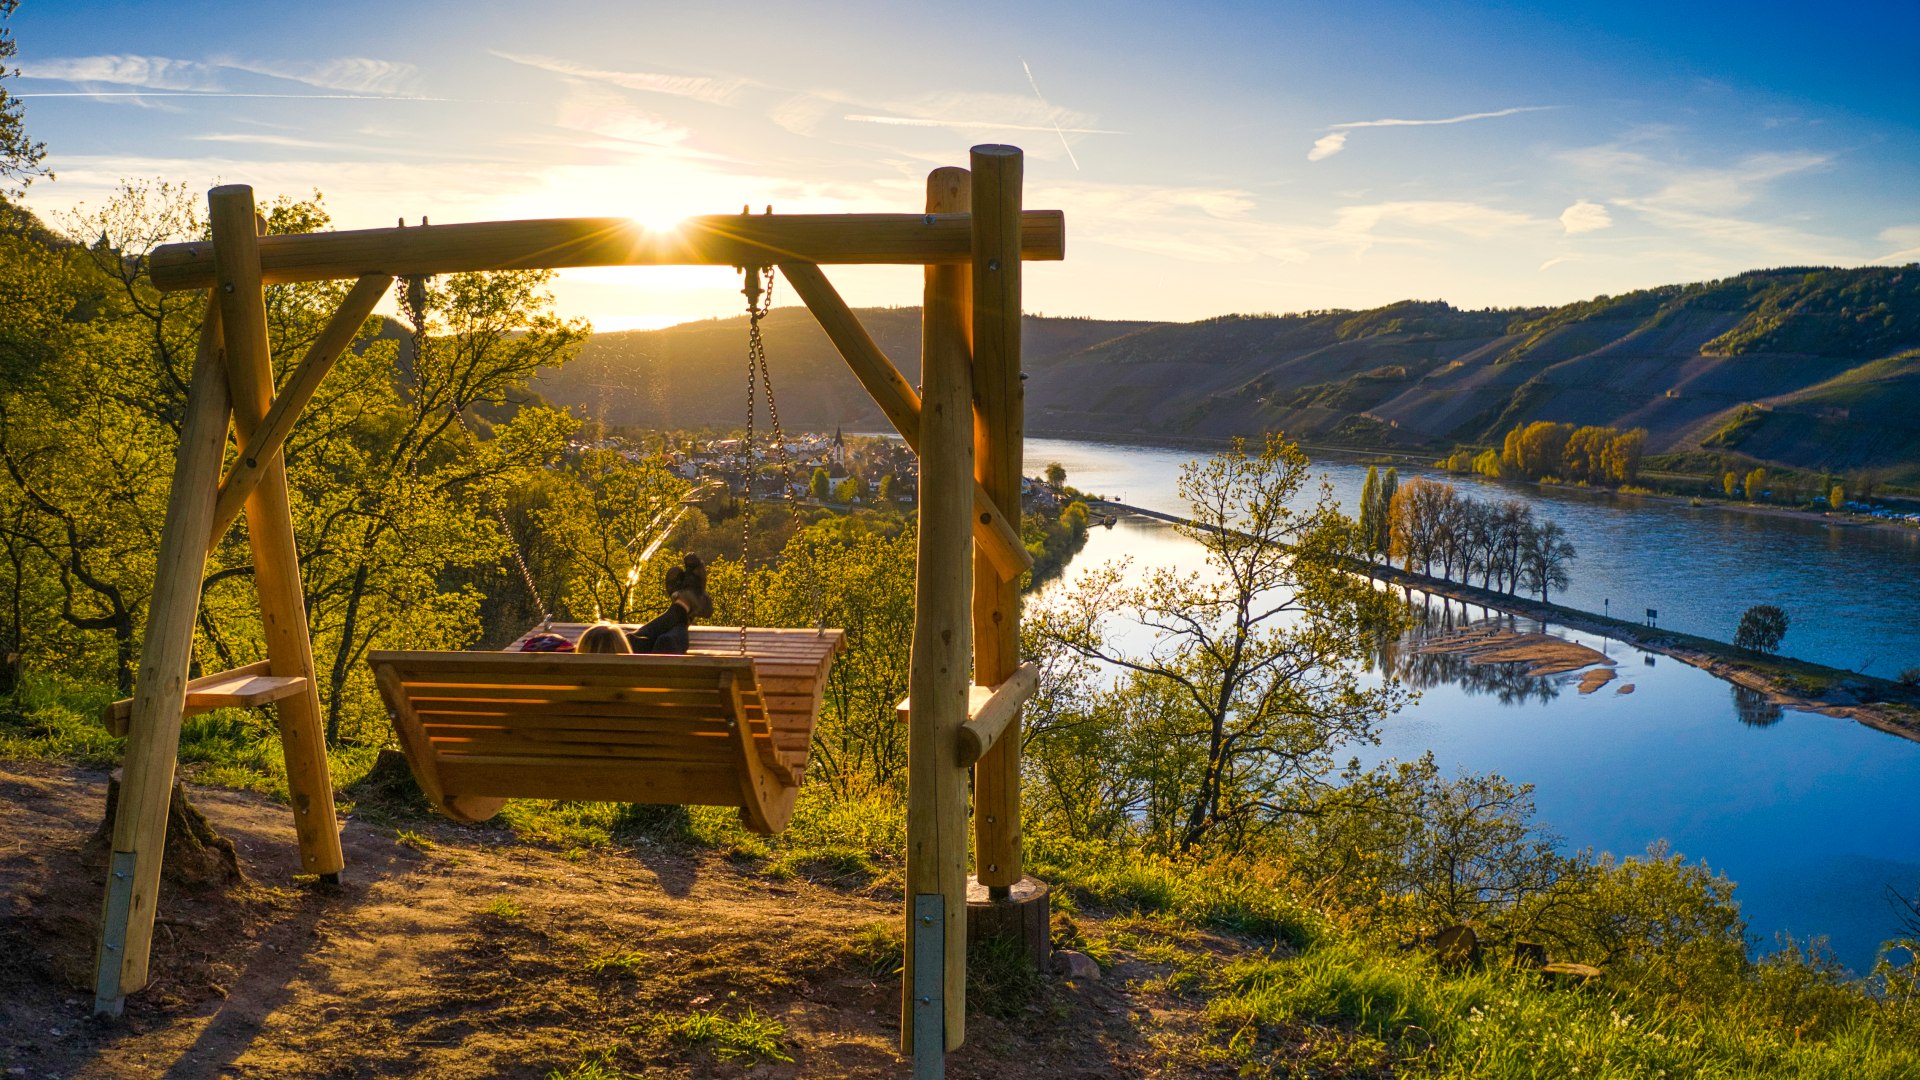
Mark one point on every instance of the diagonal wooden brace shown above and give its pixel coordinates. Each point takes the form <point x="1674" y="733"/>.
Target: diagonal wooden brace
<point x="262" y="448"/>
<point x="996" y="534"/>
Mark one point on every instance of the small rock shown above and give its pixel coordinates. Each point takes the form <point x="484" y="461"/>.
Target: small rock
<point x="1076" y="965"/>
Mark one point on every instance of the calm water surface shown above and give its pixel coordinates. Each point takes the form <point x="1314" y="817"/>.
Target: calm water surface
<point x="1852" y="594"/>
<point x="1813" y="817"/>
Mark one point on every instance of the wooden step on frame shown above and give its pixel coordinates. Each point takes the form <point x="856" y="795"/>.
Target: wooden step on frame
<point x="240" y="688"/>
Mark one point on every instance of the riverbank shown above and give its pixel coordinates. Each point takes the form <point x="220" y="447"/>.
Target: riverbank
<point x="1881" y="704"/>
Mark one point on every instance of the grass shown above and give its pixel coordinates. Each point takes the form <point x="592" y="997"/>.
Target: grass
<point x="620" y="963"/>
<point x="1508" y="1023"/>
<point x="502" y="908"/>
<point x="748" y="1037"/>
<point x="597" y="1067"/>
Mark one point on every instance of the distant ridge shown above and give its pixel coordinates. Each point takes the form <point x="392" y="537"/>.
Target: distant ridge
<point x="1806" y="367"/>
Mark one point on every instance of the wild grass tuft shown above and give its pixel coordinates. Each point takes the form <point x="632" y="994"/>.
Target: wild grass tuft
<point x="747" y="1037"/>
<point x="620" y="963"/>
<point x="502" y="908"/>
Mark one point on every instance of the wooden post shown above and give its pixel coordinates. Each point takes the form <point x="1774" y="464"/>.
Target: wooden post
<point x="160" y="696"/>
<point x="276" y="562"/>
<point x="999" y="411"/>
<point x="938" y="681"/>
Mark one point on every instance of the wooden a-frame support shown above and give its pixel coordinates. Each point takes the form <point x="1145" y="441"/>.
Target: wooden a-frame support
<point x="966" y="425"/>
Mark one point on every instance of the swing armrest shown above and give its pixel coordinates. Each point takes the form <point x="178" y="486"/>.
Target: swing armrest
<point x="989" y="710"/>
<point x="243" y="686"/>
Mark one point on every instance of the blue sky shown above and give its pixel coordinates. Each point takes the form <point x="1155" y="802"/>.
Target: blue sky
<point x="1211" y="157"/>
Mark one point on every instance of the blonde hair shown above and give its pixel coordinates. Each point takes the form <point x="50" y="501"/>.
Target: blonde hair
<point x="603" y="637"/>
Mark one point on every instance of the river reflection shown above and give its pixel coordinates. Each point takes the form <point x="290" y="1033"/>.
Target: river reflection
<point x="1436" y="617"/>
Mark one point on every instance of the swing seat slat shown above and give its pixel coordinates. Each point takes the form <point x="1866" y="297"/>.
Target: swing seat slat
<point x="712" y="727"/>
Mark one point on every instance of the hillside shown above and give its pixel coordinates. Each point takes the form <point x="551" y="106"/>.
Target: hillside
<point x="1810" y="368"/>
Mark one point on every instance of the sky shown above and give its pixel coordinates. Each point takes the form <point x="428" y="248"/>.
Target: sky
<point x="1210" y="157"/>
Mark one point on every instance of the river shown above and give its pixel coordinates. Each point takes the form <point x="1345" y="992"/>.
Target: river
<point x="1814" y="817"/>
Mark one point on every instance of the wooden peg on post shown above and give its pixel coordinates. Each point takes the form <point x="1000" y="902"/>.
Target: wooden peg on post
<point x="160" y="689"/>
<point x="276" y="560"/>
<point x="939" y="681"/>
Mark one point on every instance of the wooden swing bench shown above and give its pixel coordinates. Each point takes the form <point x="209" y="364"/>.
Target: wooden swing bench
<point x="712" y="728"/>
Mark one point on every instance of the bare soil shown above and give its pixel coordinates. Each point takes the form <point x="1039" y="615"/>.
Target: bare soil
<point x="457" y="951"/>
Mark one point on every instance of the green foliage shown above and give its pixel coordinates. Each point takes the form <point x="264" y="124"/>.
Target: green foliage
<point x="1056" y="473"/>
<point x="1053" y="542"/>
<point x="1253" y="682"/>
<point x="619" y="963"/>
<point x="1862" y="313"/>
<point x="1761" y="628"/>
<point x="820" y="486"/>
<point x="1595" y="455"/>
<point x="20" y="156"/>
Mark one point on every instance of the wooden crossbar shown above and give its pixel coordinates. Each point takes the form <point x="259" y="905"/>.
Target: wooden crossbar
<point x="715" y="240"/>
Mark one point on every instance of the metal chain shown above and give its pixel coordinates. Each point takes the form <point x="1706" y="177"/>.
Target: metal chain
<point x="412" y="294"/>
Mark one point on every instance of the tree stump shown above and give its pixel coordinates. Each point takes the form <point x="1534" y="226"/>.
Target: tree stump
<point x="196" y="855"/>
<point x="1023" y="915"/>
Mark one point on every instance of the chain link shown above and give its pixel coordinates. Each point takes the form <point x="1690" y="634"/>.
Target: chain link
<point x="412" y="295"/>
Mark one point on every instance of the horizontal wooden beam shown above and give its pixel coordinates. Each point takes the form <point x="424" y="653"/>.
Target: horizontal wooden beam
<point x="989" y="710"/>
<point x="263" y="446"/>
<point x="715" y="240"/>
<point x="998" y="537"/>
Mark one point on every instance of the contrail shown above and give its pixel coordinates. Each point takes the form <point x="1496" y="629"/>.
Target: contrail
<point x="1024" y="66"/>
<point x="224" y="94"/>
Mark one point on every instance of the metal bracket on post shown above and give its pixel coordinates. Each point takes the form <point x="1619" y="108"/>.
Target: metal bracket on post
<point x="929" y="986"/>
<point x="107" y="999"/>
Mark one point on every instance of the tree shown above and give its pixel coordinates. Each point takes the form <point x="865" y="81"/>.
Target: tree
<point x="1730" y="483"/>
<point x="1544" y="558"/>
<point x="1056" y="473"/>
<point x="820" y="486"/>
<point x="886" y="491"/>
<point x="1761" y="628"/>
<point x="1755" y="485"/>
<point x="1370" y="513"/>
<point x="1418" y="521"/>
<point x="1389" y="486"/>
<point x="847" y="491"/>
<point x="20" y="156"/>
<point x="1258" y="663"/>
<point x="1836" y="497"/>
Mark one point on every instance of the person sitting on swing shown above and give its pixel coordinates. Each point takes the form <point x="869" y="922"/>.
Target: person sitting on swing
<point x="603" y="637"/>
<point x="688" y="600"/>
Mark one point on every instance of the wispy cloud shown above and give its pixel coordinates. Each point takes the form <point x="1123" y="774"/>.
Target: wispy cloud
<point x="1906" y="241"/>
<point x="1585" y="217"/>
<point x="1336" y="139"/>
<point x="151" y="72"/>
<point x="353" y="74"/>
<point x="957" y="122"/>
<point x="356" y="78"/>
<point x="706" y="88"/>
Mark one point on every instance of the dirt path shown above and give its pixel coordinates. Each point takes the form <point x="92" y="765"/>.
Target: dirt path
<point x="464" y="953"/>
